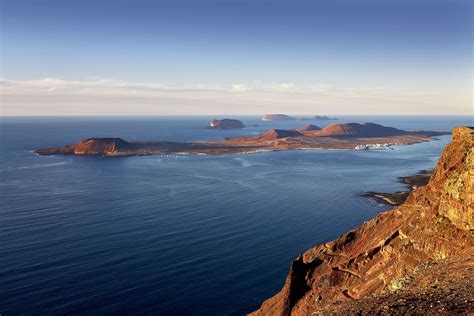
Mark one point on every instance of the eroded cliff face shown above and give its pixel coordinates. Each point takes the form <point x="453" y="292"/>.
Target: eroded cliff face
<point x="434" y="224"/>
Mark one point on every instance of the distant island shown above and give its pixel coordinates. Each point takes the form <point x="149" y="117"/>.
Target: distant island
<point x="284" y="117"/>
<point x="347" y="136"/>
<point x="324" y="118"/>
<point x="226" y="124"/>
<point x="277" y="117"/>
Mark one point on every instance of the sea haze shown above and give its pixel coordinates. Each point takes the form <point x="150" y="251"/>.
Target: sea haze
<point x="176" y="234"/>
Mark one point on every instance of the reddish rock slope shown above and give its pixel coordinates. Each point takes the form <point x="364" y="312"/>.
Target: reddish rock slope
<point x="309" y="127"/>
<point x="91" y="146"/>
<point x="435" y="224"/>
<point x="359" y="130"/>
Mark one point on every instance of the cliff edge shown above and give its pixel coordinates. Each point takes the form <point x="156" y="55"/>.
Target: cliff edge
<point x="387" y="259"/>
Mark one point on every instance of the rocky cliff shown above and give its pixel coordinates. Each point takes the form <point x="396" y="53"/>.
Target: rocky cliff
<point x="373" y="267"/>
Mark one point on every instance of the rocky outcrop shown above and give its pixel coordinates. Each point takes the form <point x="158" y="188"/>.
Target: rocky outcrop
<point x="226" y="124"/>
<point x="397" y="198"/>
<point x="279" y="133"/>
<point x="277" y="117"/>
<point x="441" y="287"/>
<point x="435" y="223"/>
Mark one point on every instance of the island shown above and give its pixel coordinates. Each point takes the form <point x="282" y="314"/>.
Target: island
<point x="416" y="259"/>
<point x="284" y="117"/>
<point x="337" y="136"/>
<point x="278" y="117"/>
<point x="324" y="118"/>
<point x="226" y="124"/>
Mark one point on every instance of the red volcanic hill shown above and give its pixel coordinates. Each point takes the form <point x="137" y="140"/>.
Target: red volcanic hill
<point x="309" y="127"/>
<point x="279" y="133"/>
<point x="91" y="146"/>
<point x="359" y="130"/>
<point x="100" y="145"/>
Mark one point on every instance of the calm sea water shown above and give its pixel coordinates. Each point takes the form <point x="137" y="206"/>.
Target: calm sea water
<point x="177" y="234"/>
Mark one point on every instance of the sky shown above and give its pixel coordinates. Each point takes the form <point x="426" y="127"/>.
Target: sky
<point x="143" y="57"/>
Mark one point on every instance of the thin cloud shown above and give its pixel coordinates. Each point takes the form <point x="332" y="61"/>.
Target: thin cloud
<point x="297" y="98"/>
<point x="240" y="88"/>
<point x="111" y="87"/>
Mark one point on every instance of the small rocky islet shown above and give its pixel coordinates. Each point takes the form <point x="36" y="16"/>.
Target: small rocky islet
<point x="226" y="124"/>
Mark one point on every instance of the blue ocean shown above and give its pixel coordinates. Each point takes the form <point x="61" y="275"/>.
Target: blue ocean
<point x="177" y="234"/>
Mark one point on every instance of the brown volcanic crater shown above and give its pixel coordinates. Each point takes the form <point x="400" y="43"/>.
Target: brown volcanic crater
<point x="101" y="145"/>
<point x="377" y="260"/>
<point x="91" y="146"/>
<point x="279" y="133"/>
<point x="309" y="127"/>
<point x="359" y="130"/>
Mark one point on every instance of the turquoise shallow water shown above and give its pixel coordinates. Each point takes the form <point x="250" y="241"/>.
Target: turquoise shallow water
<point x="176" y="234"/>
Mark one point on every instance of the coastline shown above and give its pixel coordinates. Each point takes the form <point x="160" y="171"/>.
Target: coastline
<point x="273" y="140"/>
<point x="418" y="179"/>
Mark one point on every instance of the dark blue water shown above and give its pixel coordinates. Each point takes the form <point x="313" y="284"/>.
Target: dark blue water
<point x="177" y="234"/>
